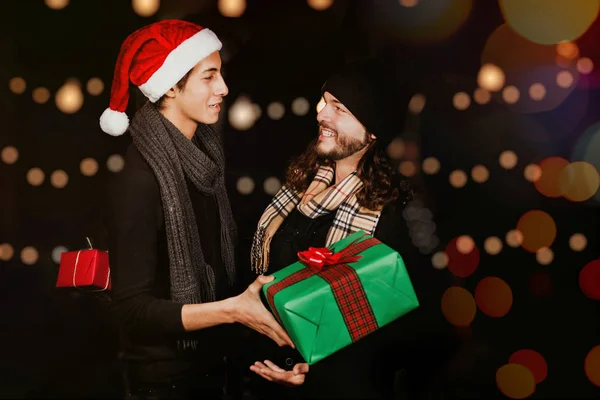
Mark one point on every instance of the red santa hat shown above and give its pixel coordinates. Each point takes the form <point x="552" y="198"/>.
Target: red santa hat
<point x="155" y="58"/>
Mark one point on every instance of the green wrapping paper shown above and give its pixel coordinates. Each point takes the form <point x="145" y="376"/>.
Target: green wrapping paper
<point x="325" y="310"/>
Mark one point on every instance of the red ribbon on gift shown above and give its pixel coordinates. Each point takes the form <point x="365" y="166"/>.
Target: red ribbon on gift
<point x="345" y="284"/>
<point x="320" y="257"/>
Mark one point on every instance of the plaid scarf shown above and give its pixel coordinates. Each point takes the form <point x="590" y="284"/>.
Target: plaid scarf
<point x="319" y="199"/>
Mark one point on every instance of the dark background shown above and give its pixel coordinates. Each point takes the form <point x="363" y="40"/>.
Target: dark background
<point x="57" y="342"/>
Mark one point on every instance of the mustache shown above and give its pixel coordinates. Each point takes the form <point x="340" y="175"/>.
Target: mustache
<point x="326" y="126"/>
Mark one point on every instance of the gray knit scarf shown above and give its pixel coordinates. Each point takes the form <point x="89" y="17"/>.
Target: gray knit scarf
<point x="173" y="157"/>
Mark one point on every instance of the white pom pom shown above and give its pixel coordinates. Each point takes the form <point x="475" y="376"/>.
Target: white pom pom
<point x="114" y="123"/>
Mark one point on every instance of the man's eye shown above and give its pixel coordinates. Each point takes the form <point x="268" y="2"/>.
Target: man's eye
<point x="208" y="78"/>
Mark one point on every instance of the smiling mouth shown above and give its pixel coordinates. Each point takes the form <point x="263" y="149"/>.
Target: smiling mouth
<point x="215" y="106"/>
<point x="326" y="133"/>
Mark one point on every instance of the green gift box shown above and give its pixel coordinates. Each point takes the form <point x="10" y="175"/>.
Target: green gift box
<point x="328" y="301"/>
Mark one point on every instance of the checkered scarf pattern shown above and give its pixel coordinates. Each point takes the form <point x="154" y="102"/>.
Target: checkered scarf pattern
<point x="321" y="198"/>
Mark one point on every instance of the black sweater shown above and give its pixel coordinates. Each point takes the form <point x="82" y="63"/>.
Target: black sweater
<point x="369" y="367"/>
<point x="150" y="322"/>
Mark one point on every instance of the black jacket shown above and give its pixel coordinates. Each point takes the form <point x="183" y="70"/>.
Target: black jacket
<point x="150" y="322"/>
<point x="383" y="363"/>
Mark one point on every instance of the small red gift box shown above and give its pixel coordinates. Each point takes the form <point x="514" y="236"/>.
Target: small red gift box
<point x="84" y="268"/>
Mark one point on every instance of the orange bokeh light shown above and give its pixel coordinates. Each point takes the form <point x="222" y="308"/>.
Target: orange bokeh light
<point x="493" y="297"/>
<point x="533" y="361"/>
<point x="551" y="168"/>
<point x="578" y="181"/>
<point x="538" y="229"/>
<point x="458" y="306"/>
<point x="460" y="262"/>
<point x="592" y="365"/>
<point x="515" y="381"/>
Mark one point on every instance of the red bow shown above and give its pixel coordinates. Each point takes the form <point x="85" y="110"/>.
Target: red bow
<point x="319" y="257"/>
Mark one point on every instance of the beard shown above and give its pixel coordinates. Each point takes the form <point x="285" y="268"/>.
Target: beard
<point x="345" y="146"/>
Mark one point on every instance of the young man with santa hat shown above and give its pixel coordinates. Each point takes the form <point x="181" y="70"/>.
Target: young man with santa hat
<point x="171" y="229"/>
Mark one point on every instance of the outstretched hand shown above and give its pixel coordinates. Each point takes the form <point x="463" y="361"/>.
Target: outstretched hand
<point x="250" y="311"/>
<point x="273" y="373"/>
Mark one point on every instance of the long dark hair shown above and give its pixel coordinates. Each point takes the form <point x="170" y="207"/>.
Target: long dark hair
<point x="375" y="170"/>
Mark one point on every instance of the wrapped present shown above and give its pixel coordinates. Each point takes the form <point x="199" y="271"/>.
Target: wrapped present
<point x="84" y="268"/>
<point x="333" y="297"/>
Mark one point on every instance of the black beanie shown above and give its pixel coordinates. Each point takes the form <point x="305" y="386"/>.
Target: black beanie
<point x="368" y="91"/>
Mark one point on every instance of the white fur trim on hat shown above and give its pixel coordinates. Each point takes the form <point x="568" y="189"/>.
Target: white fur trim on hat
<point x="113" y="122"/>
<point x="179" y="62"/>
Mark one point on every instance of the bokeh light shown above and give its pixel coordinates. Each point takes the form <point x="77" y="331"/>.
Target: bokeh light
<point x="29" y="255"/>
<point x="514" y="238"/>
<point x="275" y="110"/>
<point x="459" y="263"/>
<point x="578" y="242"/>
<point x="585" y="65"/>
<point x="465" y="244"/>
<point x="515" y="381"/>
<point x="439" y="260"/>
<point x="480" y="173"/>
<point x="461" y="101"/>
<point x="56" y="4"/>
<point x="395" y="149"/>
<point x="567" y="50"/>
<point x="88" y="166"/>
<point x="591" y="365"/>
<point x="17" y="85"/>
<point x="493" y="245"/>
<point x="544" y="256"/>
<point x="232" y="8"/>
<point x="493" y="297"/>
<point x="491" y="77"/>
<point x="242" y="114"/>
<point x="145" y="8"/>
<point x="115" y="163"/>
<point x="482" y="96"/>
<point x="300" y="106"/>
<point x="538" y="229"/>
<point x="458" y="306"/>
<point x="533" y="361"/>
<point x="508" y="159"/>
<point x="511" y="94"/>
<point x="589" y="280"/>
<point x="555" y="20"/>
<point x="551" y="168"/>
<point x="537" y="91"/>
<point x="458" y="178"/>
<point x="320" y="5"/>
<point x="586" y="148"/>
<point x="407" y="168"/>
<point x="409" y="3"/>
<point x="565" y="79"/>
<point x="431" y="165"/>
<point x="69" y="98"/>
<point x="95" y="86"/>
<point x="6" y="252"/>
<point x="41" y="95"/>
<point x="416" y="103"/>
<point x="578" y="181"/>
<point x="57" y="253"/>
<point x="272" y="185"/>
<point x="532" y="172"/>
<point x="35" y="176"/>
<point x="59" y="179"/>
<point x="9" y="155"/>
<point x="245" y="185"/>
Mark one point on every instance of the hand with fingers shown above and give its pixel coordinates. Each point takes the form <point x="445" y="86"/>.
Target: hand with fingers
<point x="273" y="373"/>
<point x="249" y="310"/>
